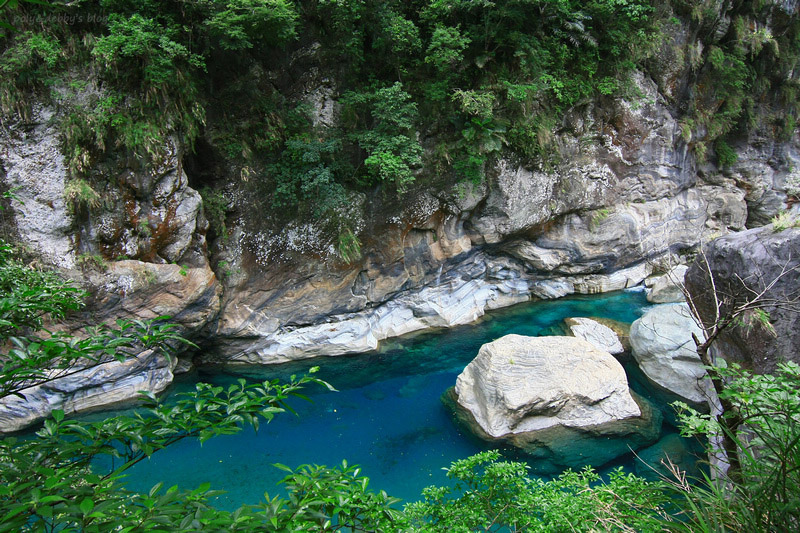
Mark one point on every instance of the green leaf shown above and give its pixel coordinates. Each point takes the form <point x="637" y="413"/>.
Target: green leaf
<point x="86" y="505"/>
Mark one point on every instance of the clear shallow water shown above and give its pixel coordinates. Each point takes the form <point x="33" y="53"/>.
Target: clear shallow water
<point x="386" y="417"/>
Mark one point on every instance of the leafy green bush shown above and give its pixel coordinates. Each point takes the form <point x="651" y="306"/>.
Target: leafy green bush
<point x="386" y="132"/>
<point x="28" y="296"/>
<point x="494" y="495"/>
<point x="725" y="154"/>
<point x="306" y="177"/>
<point x="215" y="207"/>
<point x="241" y="24"/>
<point x="764" y="494"/>
<point x="29" y="64"/>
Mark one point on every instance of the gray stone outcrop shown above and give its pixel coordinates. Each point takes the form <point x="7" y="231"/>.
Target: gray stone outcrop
<point x="744" y="265"/>
<point x="35" y="172"/>
<point x="662" y="346"/>
<point x="668" y="288"/>
<point x="97" y="387"/>
<point x="596" y="333"/>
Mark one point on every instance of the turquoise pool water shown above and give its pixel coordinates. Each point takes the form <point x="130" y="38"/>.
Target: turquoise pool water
<point x="386" y="417"/>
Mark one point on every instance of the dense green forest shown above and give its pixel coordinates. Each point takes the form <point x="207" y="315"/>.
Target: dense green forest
<point x="427" y="91"/>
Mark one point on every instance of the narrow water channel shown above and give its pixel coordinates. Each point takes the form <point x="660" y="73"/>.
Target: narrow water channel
<point x="386" y="417"/>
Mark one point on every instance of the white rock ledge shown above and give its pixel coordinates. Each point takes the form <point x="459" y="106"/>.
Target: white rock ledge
<point x="452" y="303"/>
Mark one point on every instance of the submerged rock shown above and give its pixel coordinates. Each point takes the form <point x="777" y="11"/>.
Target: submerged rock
<point x="553" y="397"/>
<point x="665" y="352"/>
<point x="660" y="460"/>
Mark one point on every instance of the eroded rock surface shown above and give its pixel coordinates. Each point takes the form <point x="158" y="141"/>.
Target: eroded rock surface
<point x="129" y="290"/>
<point x="518" y="384"/>
<point x="596" y="333"/>
<point x="97" y="387"/>
<point x="35" y="171"/>
<point x="668" y="288"/>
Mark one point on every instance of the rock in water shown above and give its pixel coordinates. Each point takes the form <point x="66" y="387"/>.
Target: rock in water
<point x="599" y="335"/>
<point x="556" y="398"/>
<point x="663" y="347"/>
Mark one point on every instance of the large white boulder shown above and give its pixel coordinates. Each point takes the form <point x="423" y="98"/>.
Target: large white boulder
<point x="559" y="399"/>
<point x="663" y="347"/>
<point x="518" y="384"/>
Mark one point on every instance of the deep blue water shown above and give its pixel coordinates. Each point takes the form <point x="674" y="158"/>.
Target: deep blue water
<point x="386" y="416"/>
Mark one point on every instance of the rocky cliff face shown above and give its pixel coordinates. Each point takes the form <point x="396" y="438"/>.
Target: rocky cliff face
<point x="625" y="192"/>
<point x="622" y="192"/>
<point x="761" y="266"/>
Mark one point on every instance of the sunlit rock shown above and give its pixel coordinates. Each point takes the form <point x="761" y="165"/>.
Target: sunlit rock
<point x="597" y="334"/>
<point x="557" y="398"/>
<point x="668" y="288"/>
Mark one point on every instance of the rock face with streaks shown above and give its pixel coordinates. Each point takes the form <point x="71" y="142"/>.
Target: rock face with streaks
<point x="132" y="290"/>
<point x="96" y="387"/>
<point x="622" y="192"/>
<point x="35" y="171"/>
<point x="535" y="392"/>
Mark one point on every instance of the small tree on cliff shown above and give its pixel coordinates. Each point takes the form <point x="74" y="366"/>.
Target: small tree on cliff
<point x="756" y="435"/>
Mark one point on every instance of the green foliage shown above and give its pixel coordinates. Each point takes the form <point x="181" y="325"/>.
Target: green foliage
<point x="241" y="24"/>
<point x="386" y="132"/>
<point x="28" y="296"/>
<point x="306" y="177"/>
<point x="784" y="220"/>
<point x="27" y="65"/>
<point x="332" y="499"/>
<point x="80" y="195"/>
<point x="599" y="216"/>
<point x="494" y="495"/>
<point x="740" y="72"/>
<point x="446" y="49"/>
<point x="725" y="154"/>
<point x="348" y="246"/>
<point x="766" y="497"/>
<point x="89" y="260"/>
<point x="55" y="481"/>
<point x="142" y="56"/>
<point x="215" y="207"/>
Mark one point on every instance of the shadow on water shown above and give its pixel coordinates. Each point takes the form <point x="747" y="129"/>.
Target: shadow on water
<point x="386" y="417"/>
